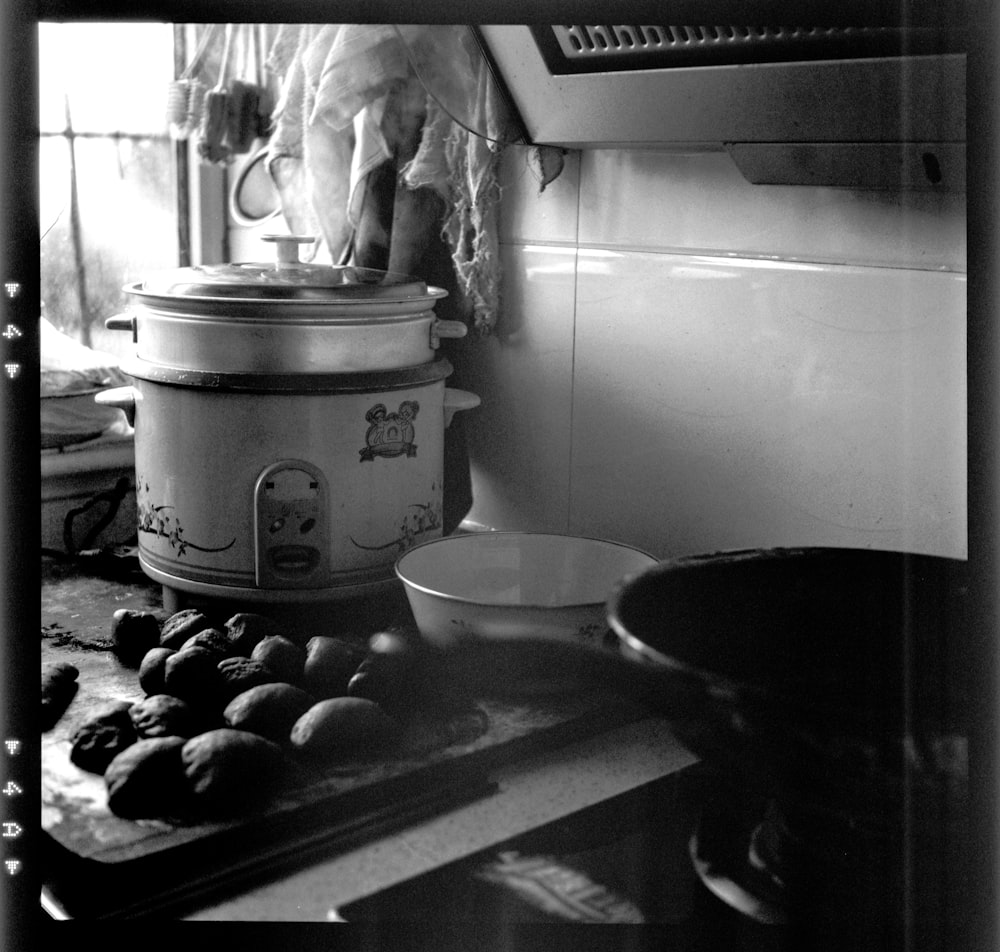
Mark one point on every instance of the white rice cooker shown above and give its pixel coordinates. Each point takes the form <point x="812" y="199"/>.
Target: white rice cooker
<point x="289" y="426"/>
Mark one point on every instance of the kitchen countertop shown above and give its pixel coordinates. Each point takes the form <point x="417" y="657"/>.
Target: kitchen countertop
<point x="530" y="794"/>
<point x="579" y="806"/>
<point x="551" y="784"/>
<point x="589" y="807"/>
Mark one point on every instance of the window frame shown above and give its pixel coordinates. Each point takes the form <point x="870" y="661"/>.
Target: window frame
<point x="203" y="223"/>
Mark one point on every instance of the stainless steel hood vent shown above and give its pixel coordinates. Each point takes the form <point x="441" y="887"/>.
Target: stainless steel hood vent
<point x="878" y="107"/>
<point x="581" y="49"/>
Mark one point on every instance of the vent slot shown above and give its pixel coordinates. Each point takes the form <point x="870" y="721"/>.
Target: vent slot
<point x="583" y="49"/>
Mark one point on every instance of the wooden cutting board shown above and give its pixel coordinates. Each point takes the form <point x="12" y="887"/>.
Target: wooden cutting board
<point x="107" y="866"/>
<point x="96" y="854"/>
<point x="74" y="802"/>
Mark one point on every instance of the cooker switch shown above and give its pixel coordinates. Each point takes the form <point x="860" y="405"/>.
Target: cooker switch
<point x="291" y="530"/>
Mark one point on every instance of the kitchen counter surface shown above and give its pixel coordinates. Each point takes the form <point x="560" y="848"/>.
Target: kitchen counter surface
<point x="530" y="794"/>
<point x="608" y="760"/>
<point x="579" y="806"/>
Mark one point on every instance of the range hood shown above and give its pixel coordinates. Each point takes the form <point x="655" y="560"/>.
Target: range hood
<point x="859" y="107"/>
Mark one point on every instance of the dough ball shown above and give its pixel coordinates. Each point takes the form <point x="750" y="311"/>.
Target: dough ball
<point x="147" y="779"/>
<point x="228" y="770"/>
<point x="212" y="639"/>
<point x="393" y="675"/>
<point x="246" y="629"/>
<point x="345" y="729"/>
<point x="236" y="675"/>
<point x="269" y="710"/>
<point x="285" y="658"/>
<point x="163" y="715"/>
<point x="192" y="675"/>
<point x="133" y="633"/>
<point x="182" y="625"/>
<point x="98" y="741"/>
<point x="152" y="670"/>
<point x="58" y="689"/>
<point x="329" y="666"/>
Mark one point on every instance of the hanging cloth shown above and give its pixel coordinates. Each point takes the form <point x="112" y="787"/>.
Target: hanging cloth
<point x="352" y="93"/>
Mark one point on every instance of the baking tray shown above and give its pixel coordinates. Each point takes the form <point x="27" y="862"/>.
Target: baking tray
<point x="103" y="865"/>
<point x="98" y="865"/>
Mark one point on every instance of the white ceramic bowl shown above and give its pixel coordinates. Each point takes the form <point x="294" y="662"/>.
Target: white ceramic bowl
<point x="492" y="584"/>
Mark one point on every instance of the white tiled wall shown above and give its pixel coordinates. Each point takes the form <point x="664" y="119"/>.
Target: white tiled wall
<point x="689" y="363"/>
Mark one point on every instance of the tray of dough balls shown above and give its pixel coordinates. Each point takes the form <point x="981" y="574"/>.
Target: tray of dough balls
<point x="190" y="734"/>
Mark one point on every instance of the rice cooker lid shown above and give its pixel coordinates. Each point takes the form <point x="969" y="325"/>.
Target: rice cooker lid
<point x="287" y="279"/>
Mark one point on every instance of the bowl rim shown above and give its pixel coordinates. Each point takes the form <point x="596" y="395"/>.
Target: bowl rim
<point x="520" y="606"/>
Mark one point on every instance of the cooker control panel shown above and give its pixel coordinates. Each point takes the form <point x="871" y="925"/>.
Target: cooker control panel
<point x="292" y="532"/>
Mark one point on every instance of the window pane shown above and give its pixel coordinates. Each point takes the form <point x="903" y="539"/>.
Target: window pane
<point x="116" y="76"/>
<point x="120" y="222"/>
<point x="127" y="227"/>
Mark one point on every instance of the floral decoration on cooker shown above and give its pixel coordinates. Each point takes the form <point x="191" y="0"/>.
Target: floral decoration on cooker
<point x="419" y="519"/>
<point x="390" y="434"/>
<point x="156" y="520"/>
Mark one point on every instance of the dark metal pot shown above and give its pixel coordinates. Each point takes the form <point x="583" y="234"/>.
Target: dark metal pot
<point x="826" y="689"/>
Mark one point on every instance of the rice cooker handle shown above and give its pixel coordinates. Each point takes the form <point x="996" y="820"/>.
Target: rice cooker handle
<point x="455" y="400"/>
<point x="124" y="398"/>
<point x="123" y="322"/>
<point x="440" y="328"/>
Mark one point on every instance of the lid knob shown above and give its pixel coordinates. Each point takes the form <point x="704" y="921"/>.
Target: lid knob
<point x="288" y="248"/>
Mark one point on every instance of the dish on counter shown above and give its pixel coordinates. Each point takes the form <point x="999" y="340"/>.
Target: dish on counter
<point x="496" y="584"/>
